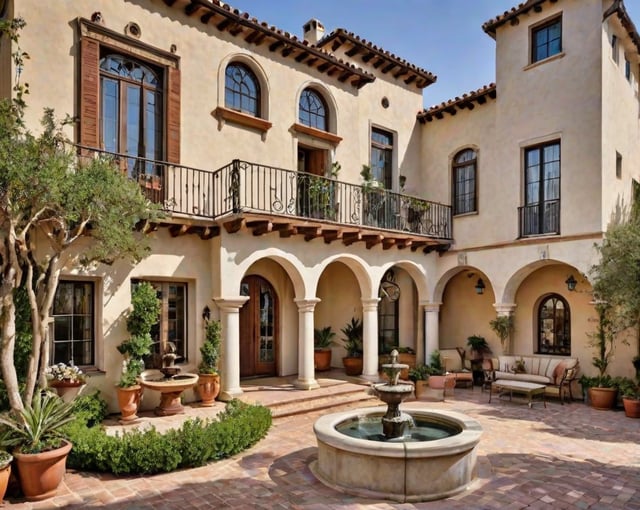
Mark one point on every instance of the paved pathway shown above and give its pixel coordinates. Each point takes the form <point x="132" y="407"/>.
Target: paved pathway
<point x="569" y="456"/>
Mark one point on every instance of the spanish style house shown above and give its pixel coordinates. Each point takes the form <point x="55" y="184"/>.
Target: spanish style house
<point x="306" y="184"/>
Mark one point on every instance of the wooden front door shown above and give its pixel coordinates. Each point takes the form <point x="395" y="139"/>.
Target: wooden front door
<point x="258" y="328"/>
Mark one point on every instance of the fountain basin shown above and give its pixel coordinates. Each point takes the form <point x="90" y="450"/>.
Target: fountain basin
<point x="397" y="470"/>
<point x="170" y="389"/>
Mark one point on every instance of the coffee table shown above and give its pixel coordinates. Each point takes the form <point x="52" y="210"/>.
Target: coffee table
<point x="529" y="389"/>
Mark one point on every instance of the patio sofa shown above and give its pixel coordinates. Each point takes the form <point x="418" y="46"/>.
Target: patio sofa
<point x="557" y="374"/>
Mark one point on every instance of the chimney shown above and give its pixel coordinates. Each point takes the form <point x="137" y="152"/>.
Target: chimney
<point x="313" y="31"/>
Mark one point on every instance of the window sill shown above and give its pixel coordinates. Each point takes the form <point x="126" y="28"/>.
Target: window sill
<point x="557" y="56"/>
<point x="226" y="115"/>
<point x="316" y="133"/>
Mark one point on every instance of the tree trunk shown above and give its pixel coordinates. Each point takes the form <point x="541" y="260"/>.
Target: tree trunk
<point x="8" y="323"/>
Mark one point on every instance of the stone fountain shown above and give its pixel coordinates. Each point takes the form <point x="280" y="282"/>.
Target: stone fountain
<point x="170" y="385"/>
<point x="413" y="454"/>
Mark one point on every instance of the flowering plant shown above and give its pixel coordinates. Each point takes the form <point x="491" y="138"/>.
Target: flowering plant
<point x="62" y="372"/>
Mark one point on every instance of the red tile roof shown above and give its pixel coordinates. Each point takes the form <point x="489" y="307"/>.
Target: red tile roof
<point x="452" y="106"/>
<point x="490" y="26"/>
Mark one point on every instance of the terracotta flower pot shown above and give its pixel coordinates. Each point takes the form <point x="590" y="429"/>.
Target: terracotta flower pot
<point x="603" y="398"/>
<point x="129" y="400"/>
<point x="322" y="359"/>
<point x="208" y="388"/>
<point x="40" y="474"/>
<point x="5" y="474"/>
<point x="67" y="390"/>
<point x="352" y="365"/>
<point x="631" y="407"/>
<point x="421" y="387"/>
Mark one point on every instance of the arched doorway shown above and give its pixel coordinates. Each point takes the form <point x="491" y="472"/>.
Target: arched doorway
<point x="258" y="328"/>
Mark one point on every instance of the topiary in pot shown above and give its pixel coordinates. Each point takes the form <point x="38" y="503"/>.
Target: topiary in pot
<point x="209" y="378"/>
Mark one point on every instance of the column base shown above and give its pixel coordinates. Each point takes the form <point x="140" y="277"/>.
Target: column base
<point x="226" y="395"/>
<point x="306" y="384"/>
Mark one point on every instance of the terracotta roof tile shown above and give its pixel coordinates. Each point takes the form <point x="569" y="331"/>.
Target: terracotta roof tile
<point x="451" y="106"/>
<point x="490" y="26"/>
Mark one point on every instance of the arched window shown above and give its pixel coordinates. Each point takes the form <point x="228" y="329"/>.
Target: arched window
<point x="313" y="111"/>
<point x="131" y="109"/>
<point x="554" y="326"/>
<point x="242" y="89"/>
<point x="464" y="182"/>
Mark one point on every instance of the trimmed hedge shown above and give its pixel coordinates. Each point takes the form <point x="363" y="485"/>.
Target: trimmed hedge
<point x="194" y="444"/>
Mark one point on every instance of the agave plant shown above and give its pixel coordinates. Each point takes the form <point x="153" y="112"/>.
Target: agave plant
<point x="37" y="428"/>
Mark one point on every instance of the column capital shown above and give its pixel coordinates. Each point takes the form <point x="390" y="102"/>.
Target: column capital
<point x="370" y="304"/>
<point x="306" y="305"/>
<point x="504" y="308"/>
<point x="430" y="307"/>
<point x="231" y="303"/>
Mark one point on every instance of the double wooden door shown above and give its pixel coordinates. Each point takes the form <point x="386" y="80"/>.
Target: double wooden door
<point x="258" y="328"/>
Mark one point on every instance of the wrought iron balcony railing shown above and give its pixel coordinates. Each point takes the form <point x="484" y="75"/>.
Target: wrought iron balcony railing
<point x="243" y="187"/>
<point x="539" y="219"/>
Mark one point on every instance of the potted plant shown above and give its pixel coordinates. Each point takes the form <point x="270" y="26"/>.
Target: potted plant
<point x="67" y="380"/>
<point x="208" y="376"/>
<point x="420" y="377"/>
<point x="478" y="346"/>
<point x="5" y="472"/>
<point x="145" y="312"/>
<point x="39" y="447"/>
<point x="502" y="326"/>
<point x="353" y="332"/>
<point x="322" y="342"/>
<point x="630" y="391"/>
<point x="602" y="391"/>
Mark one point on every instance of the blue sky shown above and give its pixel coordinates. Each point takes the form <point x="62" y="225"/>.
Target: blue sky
<point x="444" y="37"/>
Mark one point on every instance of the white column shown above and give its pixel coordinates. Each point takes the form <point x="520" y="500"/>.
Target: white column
<point x="230" y="348"/>
<point x="370" y="338"/>
<point x="306" y="370"/>
<point x="431" y="331"/>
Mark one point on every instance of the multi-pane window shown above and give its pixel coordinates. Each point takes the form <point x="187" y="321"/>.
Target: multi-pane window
<point x="73" y="323"/>
<point x="627" y="69"/>
<point x="464" y="182"/>
<point x="242" y="89"/>
<point x="546" y="40"/>
<point x="614" y="48"/>
<point x="131" y="99"/>
<point x="541" y="213"/>
<point x="382" y="156"/>
<point x="172" y="322"/>
<point x="312" y="110"/>
<point x="554" y="326"/>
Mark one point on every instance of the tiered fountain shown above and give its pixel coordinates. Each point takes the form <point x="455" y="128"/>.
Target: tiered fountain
<point x="170" y="385"/>
<point x="414" y="454"/>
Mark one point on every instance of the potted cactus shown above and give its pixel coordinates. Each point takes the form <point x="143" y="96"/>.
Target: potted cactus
<point x="208" y="376"/>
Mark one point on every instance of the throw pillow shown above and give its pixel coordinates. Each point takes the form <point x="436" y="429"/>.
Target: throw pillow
<point x="519" y="367"/>
<point x="558" y="371"/>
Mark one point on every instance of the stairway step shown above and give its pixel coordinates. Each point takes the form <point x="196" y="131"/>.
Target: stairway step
<point x="344" y="399"/>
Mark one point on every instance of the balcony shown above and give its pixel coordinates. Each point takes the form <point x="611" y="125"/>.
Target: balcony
<point x="267" y="199"/>
<point x="542" y="218"/>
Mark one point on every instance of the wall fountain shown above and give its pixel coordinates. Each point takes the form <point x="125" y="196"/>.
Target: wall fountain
<point x="413" y="454"/>
<point x="171" y="383"/>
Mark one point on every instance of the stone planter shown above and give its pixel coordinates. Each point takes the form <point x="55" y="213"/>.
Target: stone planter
<point x="40" y="474"/>
<point x="129" y="400"/>
<point x="208" y="388"/>
<point x="631" y="407"/>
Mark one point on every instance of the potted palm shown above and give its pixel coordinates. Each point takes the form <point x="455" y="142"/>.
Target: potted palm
<point x="39" y="446"/>
<point x="353" y="332"/>
<point x="478" y="346"/>
<point x="502" y="326"/>
<point x="145" y="312"/>
<point x="208" y="376"/>
<point x="322" y="342"/>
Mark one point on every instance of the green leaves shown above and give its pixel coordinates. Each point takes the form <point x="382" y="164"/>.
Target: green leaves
<point x="210" y="349"/>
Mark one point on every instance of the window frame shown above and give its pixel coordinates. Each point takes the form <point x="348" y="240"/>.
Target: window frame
<point x="457" y="166"/>
<point x="542" y="331"/>
<point x="92" y="314"/>
<point x="305" y="108"/>
<point x="251" y="76"/>
<point x="542" y="202"/>
<point x="538" y="29"/>
<point x="386" y="148"/>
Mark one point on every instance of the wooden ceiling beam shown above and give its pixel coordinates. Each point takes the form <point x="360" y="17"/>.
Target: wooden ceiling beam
<point x="260" y="227"/>
<point x="207" y="16"/>
<point x="234" y="225"/>
<point x="331" y="235"/>
<point x="351" y="237"/>
<point x="388" y="242"/>
<point x="179" y="230"/>
<point x="191" y="8"/>
<point x="310" y="233"/>
<point x="388" y="67"/>
<point x="372" y="240"/>
<point x="210" y="232"/>
<point x="353" y="51"/>
<point x="275" y="45"/>
<point x="300" y="57"/>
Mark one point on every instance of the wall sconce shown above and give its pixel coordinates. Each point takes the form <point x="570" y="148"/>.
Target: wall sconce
<point x="571" y="283"/>
<point x="479" y="286"/>
<point x="206" y="313"/>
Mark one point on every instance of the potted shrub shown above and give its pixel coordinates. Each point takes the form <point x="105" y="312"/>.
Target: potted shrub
<point x="208" y="376"/>
<point x="630" y="392"/>
<point x="420" y="377"/>
<point x="478" y="346"/>
<point x="322" y="342"/>
<point x="39" y="447"/>
<point x="502" y="326"/>
<point x="602" y="390"/>
<point x="353" y="332"/>
<point x="145" y="312"/>
<point x="67" y="380"/>
<point x="5" y="472"/>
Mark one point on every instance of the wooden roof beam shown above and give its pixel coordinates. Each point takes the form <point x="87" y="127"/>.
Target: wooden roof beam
<point x="388" y="67"/>
<point x="287" y="50"/>
<point x="410" y="79"/>
<point x="207" y="16"/>
<point x="401" y="72"/>
<point x="345" y="76"/>
<point x="372" y="240"/>
<point x="178" y="230"/>
<point x="234" y="225"/>
<point x="351" y="237"/>
<point x="260" y="227"/>
<point x="191" y="8"/>
<point x="275" y="45"/>
<point x="310" y="233"/>
<point x="379" y="62"/>
<point x="300" y="57"/>
<point x="388" y="242"/>
<point x="353" y="51"/>
<point x="207" y="233"/>
<point x="368" y="56"/>
<point x="252" y="36"/>
<point x="331" y="235"/>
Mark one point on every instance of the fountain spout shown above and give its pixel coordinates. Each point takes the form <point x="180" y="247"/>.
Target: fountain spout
<point x="168" y="359"/>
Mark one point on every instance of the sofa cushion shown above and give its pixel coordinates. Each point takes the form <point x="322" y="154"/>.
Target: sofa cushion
<point x="538" y="379"/>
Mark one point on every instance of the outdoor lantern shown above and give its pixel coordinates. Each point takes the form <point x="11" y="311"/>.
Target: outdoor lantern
<point x="571" y="283"/>
<point x="480" y="286"/>
<point x="206" y="313"/>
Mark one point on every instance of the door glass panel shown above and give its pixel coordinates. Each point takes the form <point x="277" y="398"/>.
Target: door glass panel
<point x="266" y="342"/>
<point x="110" y="114"/>
<point x="133" y="125"/>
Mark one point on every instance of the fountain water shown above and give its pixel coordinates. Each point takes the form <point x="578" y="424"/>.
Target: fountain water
<point x="170" y="385"/>
<point x="410" y="455"/>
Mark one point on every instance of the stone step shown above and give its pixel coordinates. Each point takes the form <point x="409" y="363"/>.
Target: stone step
<point x="337" y="402"/>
